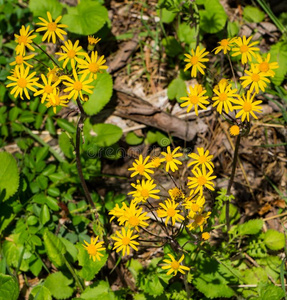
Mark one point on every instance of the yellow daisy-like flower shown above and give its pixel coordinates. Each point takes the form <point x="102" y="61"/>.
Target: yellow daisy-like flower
<point x="144" y="190"/>
<point x="156" y="162"/>
<point x="92" y="40"/>
<point x="174" y="265"/>
<point x="52" y="28"/>
<point x="224" y="45"/>
<point x="71" y="53"/>
<point x="201" y="159"/>
<point x="55" y="74"/>
<point x="21" y="60"/>
<point x="117" y="211"/>
<point x="47" y="88"/>
<point x="22" y="82"/>
<point x="25" y="39"/>
<point x="225" y="96"/>
<point x="176" y="194"/>
<point x="256" y="78"/>
<point x="94" y="249"/>
<point x="195" y="206"/>
<point x="201" y="180"/>
<point x="77" y="86"/>
<point x="265" y="66"/>
<point x="134" y="217"/>
<point x="234" y="130"/>
<point x="224" y="82"/>
<point x="93" y="65"/>
<point x="142" y="167"/>
<point x="195" y="98"/>
<point x="170" y="159"/>
<point x="247" y="107"/>
<point x="205" y="236"/>
<point x="199" y="221"/>
<point x="245" y="49"/>
<point x="169" y="211"/>
<point x="54" y="100"/>
<point x="124" y="241"/>
<point x="195" y="61"/>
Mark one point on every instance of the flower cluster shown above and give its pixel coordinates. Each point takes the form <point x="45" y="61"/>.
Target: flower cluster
<point x="226" y="97"/>
<point x="72" y="76"/>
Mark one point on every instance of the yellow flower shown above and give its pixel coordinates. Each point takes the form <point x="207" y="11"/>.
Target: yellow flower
<point x="93" y="65"/>
<point x="256" y="78"/>
<point x="54" y="100"/>
<point x="224" y="45"/>
<point x="70" y="53"/>
<point x="170" y="159"/>
<point x="156" y="162"/>
<point x="47" y="88"/>
<point x="22" y="82"/>
<point x="224" y="82"/>
<point x="195" y="206"/>
<point x="247" y="107"/>
<point x="144" y="190"/>
<point x="265" y="66"/>
<point x="225" y="96"/>
<point x="201" y="159"/>
<point x="55" y="74"/>
<point x="117" y="211"/>
<point x="176" y="194"/>
<point x="133" y="217"/>
<point x="92" y="40"/>
<point x="142" y="167"/>
<point x="198" y="221"/>
<point x="94" y="249"/>
<point x="195" y="61"/>
<point x="201" y="180"/>
<point x="195" y="98"/>
<point x="174" y="265"/>
<point x="205" y="236"/>
<point x="169" y="211"/>
<point x="124" y="241"/>
<point x="25" y="39"/>
<point x="76" y="86"/>
<point x="234" y="130"/>
<point x="244" y="49"/>
<point x="21" y="60"/>
<point x="52" y="28"/>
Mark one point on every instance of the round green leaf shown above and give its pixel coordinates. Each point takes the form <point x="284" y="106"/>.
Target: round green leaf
<point x="176" y="89"/>
<point x="86" y="18"/>
<point x="133" y="139"/>
<point x="58" y="285"/>
<point x="106" y="134"/>
<point x="40" y="8"/>
<point x="274" y="240"/>
<point x="253" y="14"/>
<point x="172" y="46"/>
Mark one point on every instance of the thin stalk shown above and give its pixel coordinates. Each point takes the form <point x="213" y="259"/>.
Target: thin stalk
<point x="52" y="59"/>
<point x="232" y="70"/>
<point x="74" y="275"/>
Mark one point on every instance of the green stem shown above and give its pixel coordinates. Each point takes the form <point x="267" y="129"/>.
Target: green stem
<point x="52" y="59"/>
<point x="74" y="275"/>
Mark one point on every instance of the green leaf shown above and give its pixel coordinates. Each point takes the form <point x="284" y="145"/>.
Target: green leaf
<point x="250" y="227"/>
<point x="233" y="28"/>
<point x="133" y="139"/>
<point x="172" y="46"/>
<point x="71" y="248"/>
<point x="86" y="18"/>
<point x="278" y="53"/>
<point x="9" y="288"/>
<point x="106" y="134"/>
<point x="254" y="275"/>
<point x="269" y="291"/>
<point x="55" y="248"/>
<point x="253" y="14"/>
<point x="176" y="89"/>
<point x="66" y="125"/>
<point x="134" y="267"/>
<point x="9" y="175"/>
<point x="65" y="145"/>
<point x="44" y="214"/>
<point x="166" y="16"/>
<point x="151" y="138"/>
<point x="40" y="292"/>
<point x="49" y="125"/>
<point x="274" y="240"/>
<point x="101" y="291"/>
<point x="152" y="284"/>
<point x="162" y="139"/>
<point x="41" y="153"/>
<point x="102" y="94"/>
<point x="187" y="34"/>
<point x="40" y="8"/>
<point x="58" y="285"/>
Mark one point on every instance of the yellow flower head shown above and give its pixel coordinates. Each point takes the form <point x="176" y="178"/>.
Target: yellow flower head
<point x="52" y="28"/>
<point x="47" y="87"/>
<point x="198" y="221"/>
<point x="224" y="97"/>
<point x="77" y="86"/>
<point x="55" y="74"/>
<point x="176" y="194"/>
<point x="234" y="130"/>
<point x="170" y="159"/>
<point x="224" y="45"/>
<point x="124" y="241"/>
<point x="21" y="60"/>
<point x="156" y="162"/>
<point x="201" y="180"/>
<point x="256" y="78"/>
<point x="22" y="82"/>
<point x="94" y="249"/>
<point x="71" y="53"/>
<point x="169" y="211"/>
<point x="247" y="107"/>
<point x="265" y="66"/>
<point x="201" y="159"/>
<point x="195" y="98"/>
<point x="142" y="167"/>
<point x="92" y="42"/>
<point x="195" y="206"/>
<point x="245" y="49"/>
<point x="195" y="61"/>
<point x="118" y="212"/>
<point x="144" y="190"/>
<point x="223" y="82"/>
<point x="205" y="236"/>
<point x="92" y="65"/>
<point x="25" y="39"/>
<point x="174" y="265"/>
<point x="54" y="100"/>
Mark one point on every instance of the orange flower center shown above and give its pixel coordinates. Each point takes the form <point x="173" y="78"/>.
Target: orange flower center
<point x="169" y="157"/>
<point x="171" y="212"/>
<point x="22" y="39"/>
<point x="222" y="97"/>
<point x="140" y="169"/>
<point x="244" y="48"/>
<point x="125" y="240"/>
<point x="247" y="107"/>
<point x="78" y="85"/>
<point x="52" y="26"/>
<point x="175" y="265"/>
<point x="201" y="180"/>
<point x="264" y="67"/>
<point x="71" y="53"/>
<point x="234" y="130"/>
<point x="202" y="159"/>
<point x="92" y="249"/>
<point x="145" y="193"/>
<point x="134" y="221"/>
<point x="48" y="89"/>
<point x="19" y="59"/>
<point x="255" y="77"/>
<point x="199" y="220"/>
<point x="94" y="67"/>
<point x="205" y="235"/>
<point x="22" y="82"/>
<point x="194" y="60"/>
<point x="194" y="207"/>
<point x="193" y="99"/>
<point x="224" y="43"/>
